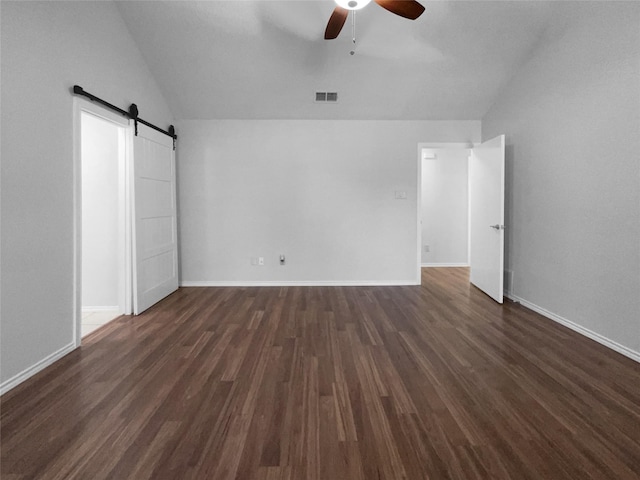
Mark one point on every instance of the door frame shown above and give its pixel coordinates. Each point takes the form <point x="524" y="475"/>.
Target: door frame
<point x="421" y="145"/>
<point x="81" y="106"/>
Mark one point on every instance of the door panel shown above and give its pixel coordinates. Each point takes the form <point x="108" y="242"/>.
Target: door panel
<point x="486" y="200"/>
<point x="155" y="243"/>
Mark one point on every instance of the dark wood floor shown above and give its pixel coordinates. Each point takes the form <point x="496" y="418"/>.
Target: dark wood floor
<point x="431" y="382"/>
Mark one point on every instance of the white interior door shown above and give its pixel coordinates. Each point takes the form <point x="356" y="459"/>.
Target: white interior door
<point x="486" y="201"/>
<point x="155" y="252"/>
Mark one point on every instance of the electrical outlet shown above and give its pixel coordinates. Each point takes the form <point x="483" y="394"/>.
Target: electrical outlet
<point x="427" y="248"/>
<point x="260" y="260"/>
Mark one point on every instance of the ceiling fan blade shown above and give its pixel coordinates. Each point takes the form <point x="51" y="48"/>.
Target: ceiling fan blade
<point x="336" y="22"/>
<point x="405" y="8"/>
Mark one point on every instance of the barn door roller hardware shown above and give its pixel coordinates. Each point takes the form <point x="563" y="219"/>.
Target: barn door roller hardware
<point x="132" y="113"/>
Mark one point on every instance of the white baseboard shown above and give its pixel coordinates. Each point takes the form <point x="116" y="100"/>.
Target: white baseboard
<point x="100" y="309"/>
<point x="444" y="265"/>
<point x="301" y="283"/>
<point x="31" y="371"/>
<point x="626" y="351"/>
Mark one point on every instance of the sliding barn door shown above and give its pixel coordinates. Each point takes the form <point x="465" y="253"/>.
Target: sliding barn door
<point x="486" y="201"/>
<point x="155" y="246"/>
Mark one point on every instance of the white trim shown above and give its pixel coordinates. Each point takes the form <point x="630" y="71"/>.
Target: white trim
<point x="101" y="309"/>
<point x="77" y="220"/>
<point x="300" y="283"/>
<point x="626" y="351"/>
<point x="445" y="264"/>
<point x="462" y="145"/>
<point x="37" y="367"/>
<point x="125" y="299"/>
<point x="419" y="216"/>
<point x="469" y="207"/>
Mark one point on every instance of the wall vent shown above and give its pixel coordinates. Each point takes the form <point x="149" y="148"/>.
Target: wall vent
<point x="329" y="97"/>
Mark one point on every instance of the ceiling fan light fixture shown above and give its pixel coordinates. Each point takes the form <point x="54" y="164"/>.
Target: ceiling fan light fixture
<point x="352" y="4"/>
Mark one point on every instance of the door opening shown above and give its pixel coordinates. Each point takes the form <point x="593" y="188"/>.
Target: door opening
<point x="103" y="287"/>
<point x="461" y="210"/>
<point x="444" y="206"/>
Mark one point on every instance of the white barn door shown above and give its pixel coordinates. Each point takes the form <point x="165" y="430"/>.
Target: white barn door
<point x="155" y="245"/>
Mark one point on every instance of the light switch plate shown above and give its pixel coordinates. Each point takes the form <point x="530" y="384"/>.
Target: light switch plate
<point x="400" y="195"/>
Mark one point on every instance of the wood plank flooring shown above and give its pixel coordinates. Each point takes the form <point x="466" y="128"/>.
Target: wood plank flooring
<point x="430" y="382"/>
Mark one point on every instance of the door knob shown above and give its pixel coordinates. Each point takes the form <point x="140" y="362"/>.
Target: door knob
<point x="497" y="226"/>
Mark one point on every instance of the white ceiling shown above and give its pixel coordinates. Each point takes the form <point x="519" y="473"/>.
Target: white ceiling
<point x="250" y="59"/>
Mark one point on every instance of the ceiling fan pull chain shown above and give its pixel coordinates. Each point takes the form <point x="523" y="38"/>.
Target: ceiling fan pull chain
<point x="353" y="26"/>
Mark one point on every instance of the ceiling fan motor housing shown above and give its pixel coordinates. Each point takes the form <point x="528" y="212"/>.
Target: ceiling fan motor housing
<point x="410" y="9"/>
<point x="353" y="4"/>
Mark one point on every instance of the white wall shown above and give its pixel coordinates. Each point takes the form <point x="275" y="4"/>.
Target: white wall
<point x="100" y="226"/>
<point x="47" y="47"/>
<point x="445" y="207"/>
<point x="320" y="192"/>
<point x="572" y="119"/>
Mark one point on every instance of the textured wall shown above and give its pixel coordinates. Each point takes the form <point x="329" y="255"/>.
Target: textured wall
<point x="47" y="47"/>
<point x="320" y="192"/>
<point x="572" y="119"/>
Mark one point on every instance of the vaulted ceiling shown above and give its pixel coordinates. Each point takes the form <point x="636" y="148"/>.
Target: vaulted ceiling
<point x="247" y="59"/>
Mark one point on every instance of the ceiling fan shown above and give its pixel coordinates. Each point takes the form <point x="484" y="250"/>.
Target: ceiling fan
<point x="405" y="8"/>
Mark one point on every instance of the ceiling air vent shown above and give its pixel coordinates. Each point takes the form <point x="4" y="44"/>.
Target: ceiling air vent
<point x="330" y="97"/>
